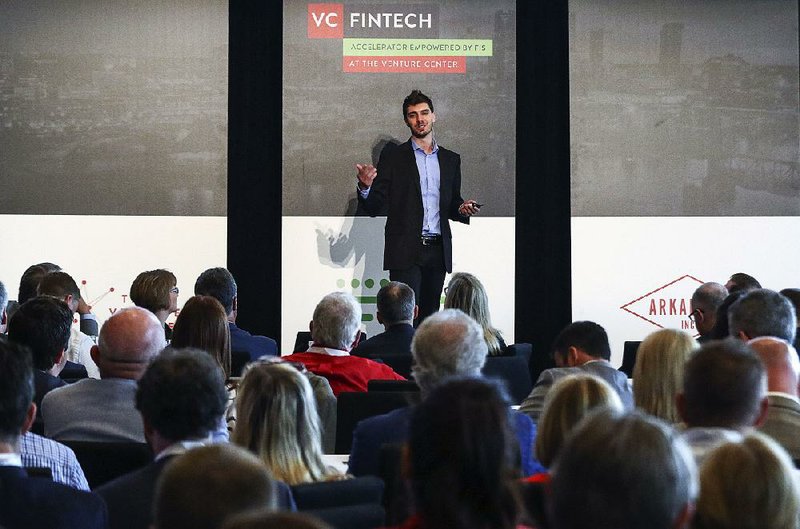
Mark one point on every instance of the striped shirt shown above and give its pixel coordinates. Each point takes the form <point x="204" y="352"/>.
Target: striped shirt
<point x="38" y="451"/>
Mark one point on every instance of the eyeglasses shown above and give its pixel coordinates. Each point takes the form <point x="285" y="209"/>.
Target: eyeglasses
<point x="692" y="316"/>
<point x="174" y="290"/>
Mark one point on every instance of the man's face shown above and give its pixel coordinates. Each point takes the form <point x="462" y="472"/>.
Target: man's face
<point x="420" y="119"/>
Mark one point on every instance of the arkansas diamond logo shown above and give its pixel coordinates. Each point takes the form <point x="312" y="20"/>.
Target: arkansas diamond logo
<point x="667" y="306"/>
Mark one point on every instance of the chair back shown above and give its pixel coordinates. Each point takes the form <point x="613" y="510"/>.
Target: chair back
<point x="102" y="462"/>
<point x="513" y="370"/>
<point x="239" y="359"/>
<point x="401" y="364"/>
<point x="346" y="504"/>
<point x="520" y="349"/>
<point x="408" y="386"/>
<point x="351" y="408"/>
<point x="538" y="362"/>
<point x="629" y="357"/>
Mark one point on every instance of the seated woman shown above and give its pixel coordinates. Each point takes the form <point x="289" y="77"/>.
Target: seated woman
<point x="748" y="484"/>
<point x="466" y="293"/>
<point x="658" y="372"/>
<point x="277" y="420"/>
<point x="157" y="291"/>
<point x="459" y="459"/>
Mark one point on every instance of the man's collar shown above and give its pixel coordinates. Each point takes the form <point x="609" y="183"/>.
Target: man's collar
<point x="417" y="147"/>
<point x="784" y="395"/>
<point x="180" y="447"/>
<point x="327" y="351"/>
<point x="10" y="460"/>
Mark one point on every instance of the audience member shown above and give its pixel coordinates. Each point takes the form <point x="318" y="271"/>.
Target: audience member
<point x="447" y="344"/>
<point x="60" y="285"/>
<point x="397" y="311"/>
<point x="582" y="347"/>
<point x="29" y="285"/>
<point x="3" y="305"/>
<point x="181" y="398"/>
<point x="741" y="282"/>
<point x="266" y="519"/>
<point x="205" y="486"/>
<point x="459" y="458"/>
<point x="782" y="422"/>
<point x="720" y="331"/>
<point x="658" y="372"/>
<point x="466" y="293"/>
<point x="724" y="394"/>
<point x="704" y="304"/>
<point x="157" y="291"/>
<point x="202" y="324"/>
<point x="793" y="295"/>
<point x="750" y="484"/>
<point x="277" y="420"/>
<point x="103" y="410"/>
<point x="623" y="471"/>
<point x="762" y="312"/>
<point x="27" y="502"/>
<point x="335" y="331"/>
<point x="220" y="284"/>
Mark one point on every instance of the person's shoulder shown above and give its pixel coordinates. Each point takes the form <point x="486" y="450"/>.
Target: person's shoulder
<point x="396" y="417"/>
<point x="126" y="483"/>
<point x="447" y="153"/>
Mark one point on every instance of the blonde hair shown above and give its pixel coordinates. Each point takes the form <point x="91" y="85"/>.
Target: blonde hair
<point x="568" y="401"/>
<point x="750" y="484"/>
<point x="658" y="373"/>
<point x="277" y="420"/>
<point x="465" y="292"/>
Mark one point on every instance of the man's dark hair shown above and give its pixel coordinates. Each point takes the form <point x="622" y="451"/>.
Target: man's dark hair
<point x="741" y="281"/>
<point x="723" y="384"/>
<point x="29" y="283"/>
<point x="585" y="335"/>
<point x="792" y="294"/>
<point x="415" y="98"/>
<point x="763" y="312"/>
<point x="16" y="389"/>
<point x="59" y="285"/>
<point x="43" y="325"/>
<point x="217" y="283"/>
<point x="396" y="302"/>
<point x="182" y="394"/>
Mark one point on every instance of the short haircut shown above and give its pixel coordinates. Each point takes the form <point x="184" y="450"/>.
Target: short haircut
<point x="626" y="471"/>
<point x="721" y="329"/>
<point x="415" y="98"/>
<point x="741" y="281"/>
<point x="658" y="372"/>
<point x="396" y="302"/>
<point x="182" y="394"/>
<point x="29" y="283"/>
<point x="337" y="318"/>
<point x="568" y="401"/>
<point x="219" y="284"/>
<point x="203" y="324"/>
<point x="3" y="297"/>
<point x="203" y="487"/>
<point x="793" y="295"/>
<point x="59" y="285"/>
<point x="585" y="335"/>
<point x="709" y="296"/>
<point x="460" y="453"/>
<point x="723" y="385"/>
<point x="763" y="312"/>
<point x="42" y="324"/>
<point x="16" y="389"/>
<point x="447" y="343"/>
<point x="150" y="290"/>
<point x="749" y="484"/>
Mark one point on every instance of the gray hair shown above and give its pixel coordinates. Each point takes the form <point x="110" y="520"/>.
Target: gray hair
<point x="3" y="297"/>
<point x="635" y="469"/>
<point x="448" y="343"/>
<point x="337" y="319"/>
<point x="709" y="296"/>
<point x="396" y="303"/>
<point x="763" y="312"/>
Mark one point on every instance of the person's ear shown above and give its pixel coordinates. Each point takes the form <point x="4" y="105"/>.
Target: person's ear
<point x="379" y="317"/>
<point x="311" y="326"/>
<point x="743" y="336"/>
<point x="235" y="306"/>
<point x="572" y="356"/>
<point x="416" y="312"/>
<point x="30" y="416"/>
<point x="94" y="352"/>
<point x="763" y="408"/>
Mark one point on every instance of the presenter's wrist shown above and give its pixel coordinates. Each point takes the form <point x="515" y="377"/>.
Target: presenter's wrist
<point x="362" y="187"/>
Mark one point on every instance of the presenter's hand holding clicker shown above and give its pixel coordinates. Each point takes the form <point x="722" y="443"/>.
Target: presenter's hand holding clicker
<point x="366" y="175"/>
<point x="469" y="208"/>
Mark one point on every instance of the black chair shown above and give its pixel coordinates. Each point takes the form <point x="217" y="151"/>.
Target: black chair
<point x="304" y="338"/>
<point x="40" y="472"/>
<point x="408" y="386"/>
<point x="346" y="504"/>
<point x="401" y="364"/>
<point x="519" y="349"/>
<point x="354" y="407"/>
<point x="395" y="497"/>
<point x="629" y="357"/>
<point x="102" y="462"/>
<point x="239" y="359"/>
<point x="538" y="362"/>
<point x="513" y="370"/>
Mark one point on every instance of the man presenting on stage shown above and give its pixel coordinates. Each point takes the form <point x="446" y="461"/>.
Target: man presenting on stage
<point x="419" y="184"/>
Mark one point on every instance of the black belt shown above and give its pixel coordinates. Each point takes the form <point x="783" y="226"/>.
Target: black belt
<point x="431" y="240"/>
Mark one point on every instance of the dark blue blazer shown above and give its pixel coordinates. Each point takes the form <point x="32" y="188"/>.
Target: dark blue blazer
<point x="27" y="503"/>
<point x="396" y="340"/>
<point x="256" y="346"/>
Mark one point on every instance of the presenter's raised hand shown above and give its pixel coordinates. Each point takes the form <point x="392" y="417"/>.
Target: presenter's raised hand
<point x="469" y="208"/>
<point x="366" y="175"/>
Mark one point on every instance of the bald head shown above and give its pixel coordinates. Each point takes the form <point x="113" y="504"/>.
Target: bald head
<point x="781" y="361"/>
<point x="705" y="302"/>
<point x="128" y="341"/>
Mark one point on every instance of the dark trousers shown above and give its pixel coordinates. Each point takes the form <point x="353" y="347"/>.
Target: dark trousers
<point x="426" y="279"/>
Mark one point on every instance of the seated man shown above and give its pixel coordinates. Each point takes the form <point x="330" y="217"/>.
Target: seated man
<point x="396" y="311"/>
<point x="704" y="304"/>
<point x="103" y="410"/>
<point x="219" y="284"/>
<point x="335" y="331"/>
<point x="582" y="347"/>
<point x="762" y="312"/>
<point x="27" y="502"/>
<point x="447" y="344"/>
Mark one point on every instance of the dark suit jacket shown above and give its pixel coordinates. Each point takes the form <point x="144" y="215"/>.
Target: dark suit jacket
<point x="256" y="346"/>
<point x="27" y="503"/>
<point x="396" y="340"/>
<point x="43" y="383"/>
<point x="396" y="190"/>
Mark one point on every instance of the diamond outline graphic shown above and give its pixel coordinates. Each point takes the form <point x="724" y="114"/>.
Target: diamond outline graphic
<point x="626" y="305"/>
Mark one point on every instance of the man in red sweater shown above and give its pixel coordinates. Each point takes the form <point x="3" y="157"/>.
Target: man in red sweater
<point x="335" y="331"/>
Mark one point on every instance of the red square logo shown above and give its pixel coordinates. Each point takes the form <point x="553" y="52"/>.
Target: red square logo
<point x="325" y="21"/>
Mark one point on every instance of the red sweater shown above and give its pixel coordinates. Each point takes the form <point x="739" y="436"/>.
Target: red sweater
<point x="345" y="373"/>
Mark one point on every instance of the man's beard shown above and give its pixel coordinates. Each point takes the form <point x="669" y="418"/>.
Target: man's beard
<point x="422" y="134"/>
